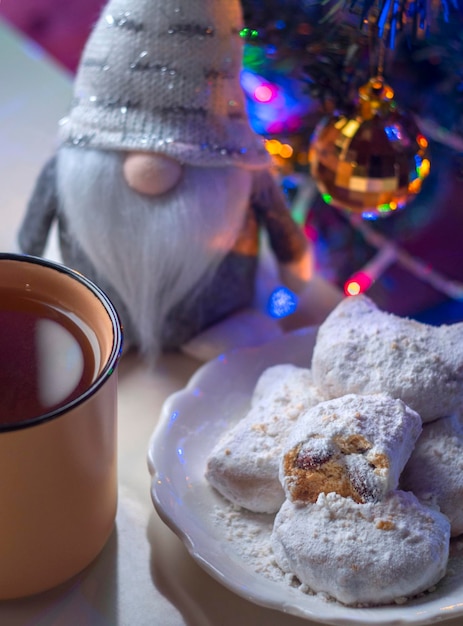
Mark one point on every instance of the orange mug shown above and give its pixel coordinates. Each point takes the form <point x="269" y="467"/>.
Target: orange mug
<point x="60" y="343"/>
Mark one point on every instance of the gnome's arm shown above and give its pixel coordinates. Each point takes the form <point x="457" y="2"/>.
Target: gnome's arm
<point x="41" y="211"/>
<point x="291" y="248"/>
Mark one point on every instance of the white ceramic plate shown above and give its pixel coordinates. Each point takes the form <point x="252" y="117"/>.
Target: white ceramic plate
<point x="190" y="424"/>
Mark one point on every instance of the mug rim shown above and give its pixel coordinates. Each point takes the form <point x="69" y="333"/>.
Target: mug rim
<point x="111" y="361"/>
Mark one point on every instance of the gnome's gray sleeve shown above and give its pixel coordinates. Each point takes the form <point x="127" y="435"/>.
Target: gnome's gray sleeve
<point x="286" y="238"/>
<point x="291" y="248"/>
<point x="41" y="211"/>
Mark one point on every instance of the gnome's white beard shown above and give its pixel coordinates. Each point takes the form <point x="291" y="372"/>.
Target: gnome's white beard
<point x="153" y="251"/>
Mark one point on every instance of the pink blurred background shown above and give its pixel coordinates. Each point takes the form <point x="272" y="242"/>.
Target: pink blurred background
<point x="61" y="27"/>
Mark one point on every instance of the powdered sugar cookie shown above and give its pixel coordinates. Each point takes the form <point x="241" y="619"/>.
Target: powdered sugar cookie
<point x="367" y="554"/>
<point x="271" y="380"/>
<point x="360" y="349"/>
<point x="244" y="464"/>
<point x="356" y="446"/>
<point x="435" y="470"/>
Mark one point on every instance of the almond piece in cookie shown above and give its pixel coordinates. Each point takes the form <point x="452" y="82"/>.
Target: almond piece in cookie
<point x="356" y="446"/>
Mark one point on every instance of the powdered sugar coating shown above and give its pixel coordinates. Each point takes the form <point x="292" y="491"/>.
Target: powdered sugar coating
<point x="435" y="470"/>
<point x="272" y="379"/>
<point x="369" y="554"/>
<point x="360" y="349"/>
<point x="356" y="446"/>
<point x="244" y="464"/>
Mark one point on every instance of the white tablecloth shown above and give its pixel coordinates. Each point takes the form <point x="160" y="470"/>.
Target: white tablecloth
<point x="144" y="576"/>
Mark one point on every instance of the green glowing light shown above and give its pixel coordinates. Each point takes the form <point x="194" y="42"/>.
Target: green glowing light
<point x="327" y="198"/>
<point x="249" y="33"/>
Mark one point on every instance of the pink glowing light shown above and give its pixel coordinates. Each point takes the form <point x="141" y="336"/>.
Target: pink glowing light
<point x="264" y="93"/>
<point x="358" y="283"/>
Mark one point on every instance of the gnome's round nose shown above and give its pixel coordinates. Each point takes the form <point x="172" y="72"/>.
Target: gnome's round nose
<point x="163" y="77"/>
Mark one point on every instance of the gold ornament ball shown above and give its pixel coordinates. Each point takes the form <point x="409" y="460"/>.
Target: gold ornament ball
<point x="373" y="162"/>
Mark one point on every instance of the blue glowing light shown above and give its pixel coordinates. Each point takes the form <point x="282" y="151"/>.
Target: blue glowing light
<point x="393" y="132"/>
<point x="370" y="215"/>
<point x="180" y="455"/>
<point x="282" y="302"/>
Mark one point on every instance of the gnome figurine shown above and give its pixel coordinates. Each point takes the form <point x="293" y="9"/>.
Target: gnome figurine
<point x="159" y="187"/>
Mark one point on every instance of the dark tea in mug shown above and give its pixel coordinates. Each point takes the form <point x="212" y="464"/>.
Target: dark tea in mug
<point x="48" y="357"/>
<point x="60" y="343"/>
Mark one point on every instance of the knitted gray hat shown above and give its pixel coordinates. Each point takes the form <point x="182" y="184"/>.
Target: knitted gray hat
<point x="164" y="76"/>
